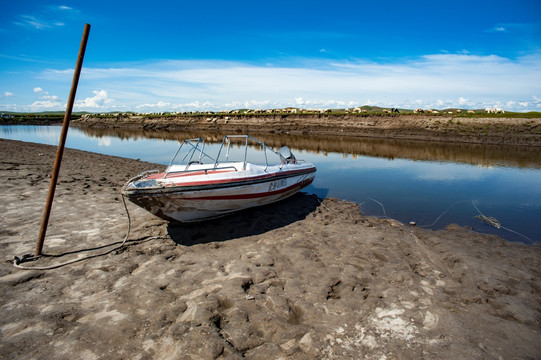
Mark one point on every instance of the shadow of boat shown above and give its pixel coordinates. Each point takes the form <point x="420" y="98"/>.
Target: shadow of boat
<point x="247" y="222"/>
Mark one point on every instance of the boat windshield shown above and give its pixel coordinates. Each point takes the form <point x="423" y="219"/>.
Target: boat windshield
<point x="234" y="148"/>
<point x="191" y="151"/>
<point x="247" y="149"/>
<point x="286" y="155"/>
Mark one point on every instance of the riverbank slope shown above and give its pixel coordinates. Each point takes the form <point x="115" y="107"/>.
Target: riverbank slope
<point x="433" y="127"/>
<point x="302" y="279"/>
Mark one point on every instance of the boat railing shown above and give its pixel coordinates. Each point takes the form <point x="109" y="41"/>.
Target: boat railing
<point x="248" y="138"/>
<point x="196" y="145"/>
<point x="195" y="155"/>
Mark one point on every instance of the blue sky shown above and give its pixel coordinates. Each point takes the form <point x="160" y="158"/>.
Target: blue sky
<point x="213" y="55"/>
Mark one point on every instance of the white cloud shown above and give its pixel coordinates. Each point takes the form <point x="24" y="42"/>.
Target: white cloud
<point x="463" y="101"/>
<point x="105" y="141"/>
<point x="45" y="105"/>
<point x="47" y="17"/>
<point x="29" y="21"/>
<point x="498" y="28"/>
<point x="450" y="172"/>
<point x="99" y="101"/>
<point x="159" y="105"/>
<point x="433" y="81"/>
<point x="8" y="94"/>
<point x="47" y="101"/>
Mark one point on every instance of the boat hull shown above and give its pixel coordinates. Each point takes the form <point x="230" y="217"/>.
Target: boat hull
<point x="191" y="204"/>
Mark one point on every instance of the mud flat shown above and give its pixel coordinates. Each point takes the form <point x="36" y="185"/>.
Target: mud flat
<point x="302" y="279"/>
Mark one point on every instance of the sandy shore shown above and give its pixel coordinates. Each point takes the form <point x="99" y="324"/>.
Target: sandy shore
<point x="302" y="279"/>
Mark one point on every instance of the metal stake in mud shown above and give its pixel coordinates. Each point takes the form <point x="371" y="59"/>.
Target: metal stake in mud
<point x="62" y="142"/>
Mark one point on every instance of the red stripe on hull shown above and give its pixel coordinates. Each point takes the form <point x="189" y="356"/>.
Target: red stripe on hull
<point x="300" y="185"/>
<point x="227" y="181"/>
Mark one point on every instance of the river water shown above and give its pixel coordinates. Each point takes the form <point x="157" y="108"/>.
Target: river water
<point x="433" y="184"/>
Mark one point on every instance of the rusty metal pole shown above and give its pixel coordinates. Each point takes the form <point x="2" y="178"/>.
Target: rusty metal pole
<point x="61" y="143"/>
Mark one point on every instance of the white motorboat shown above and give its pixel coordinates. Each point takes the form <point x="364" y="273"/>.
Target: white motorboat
<point x="202" y="187"/>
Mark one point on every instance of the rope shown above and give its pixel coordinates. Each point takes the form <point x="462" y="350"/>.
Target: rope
<point x="25" y="258"/>
<point x="443" y="213"/>
<point x="489" y="220"/>
<point x="494" y="222"/>
<point x="384" y="213"/>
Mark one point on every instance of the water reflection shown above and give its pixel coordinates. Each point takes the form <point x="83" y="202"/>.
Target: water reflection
<point x="474" y="154"/>
<point x="431" y="183"/>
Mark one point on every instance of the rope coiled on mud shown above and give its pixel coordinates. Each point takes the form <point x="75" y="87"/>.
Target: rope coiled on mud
<point x="17" y="260"/>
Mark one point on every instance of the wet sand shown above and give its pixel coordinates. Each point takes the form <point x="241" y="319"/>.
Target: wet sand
<point x="305" y="278"/>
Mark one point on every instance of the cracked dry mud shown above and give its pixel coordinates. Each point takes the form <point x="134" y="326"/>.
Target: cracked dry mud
<point x="302" y="279"/>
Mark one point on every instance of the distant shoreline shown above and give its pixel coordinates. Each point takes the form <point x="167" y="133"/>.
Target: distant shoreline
<point x="457" y="128"/>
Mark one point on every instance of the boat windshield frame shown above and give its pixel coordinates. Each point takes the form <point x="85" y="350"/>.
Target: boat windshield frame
<point x="227" y="139"/>
<point x="197" y="146"/>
